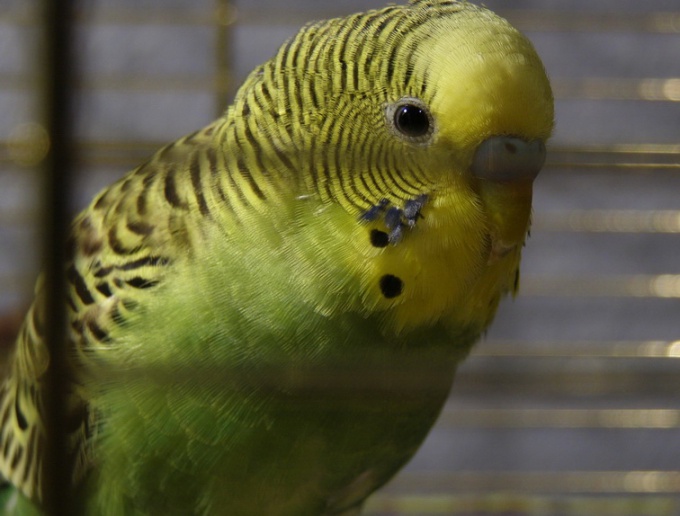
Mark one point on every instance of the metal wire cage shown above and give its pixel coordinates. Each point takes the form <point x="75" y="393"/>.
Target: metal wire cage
<point x="569" y="406"/>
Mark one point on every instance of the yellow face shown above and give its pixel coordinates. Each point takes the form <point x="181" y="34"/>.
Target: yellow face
<point x="494" y="84"/>
<point x="484" y="82"/>
<point x="441" y="104"/>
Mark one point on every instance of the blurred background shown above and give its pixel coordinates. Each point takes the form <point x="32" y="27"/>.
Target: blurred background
<point x="570" y="405"/>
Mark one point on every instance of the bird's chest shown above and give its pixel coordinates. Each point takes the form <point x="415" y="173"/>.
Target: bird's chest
<point x="298" y="438"/>
<point x="331" y="435"/>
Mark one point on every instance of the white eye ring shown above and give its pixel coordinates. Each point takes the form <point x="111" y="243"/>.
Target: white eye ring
<point x="410" y="119"/>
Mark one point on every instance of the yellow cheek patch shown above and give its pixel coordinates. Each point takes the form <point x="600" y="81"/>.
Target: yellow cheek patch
<point x="427" y="274"/>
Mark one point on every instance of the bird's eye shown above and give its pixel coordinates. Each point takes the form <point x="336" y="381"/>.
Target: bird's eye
<point x="410" y="119"/>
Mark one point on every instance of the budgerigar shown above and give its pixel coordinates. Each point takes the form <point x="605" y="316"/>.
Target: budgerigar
<point x="265" y="318"/>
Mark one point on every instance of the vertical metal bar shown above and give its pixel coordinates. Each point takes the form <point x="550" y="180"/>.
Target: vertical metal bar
<point x="225" y="17"/>
<point x="58" y="94"/>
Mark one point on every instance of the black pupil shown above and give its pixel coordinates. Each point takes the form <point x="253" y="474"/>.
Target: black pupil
<point x="412" y="120"/>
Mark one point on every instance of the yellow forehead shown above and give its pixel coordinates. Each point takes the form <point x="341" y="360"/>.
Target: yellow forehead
<point x="485" y="79"/>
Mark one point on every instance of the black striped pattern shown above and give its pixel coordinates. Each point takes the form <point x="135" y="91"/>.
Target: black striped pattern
<point x="313" y="96"/>
<point x="20" y="445"/>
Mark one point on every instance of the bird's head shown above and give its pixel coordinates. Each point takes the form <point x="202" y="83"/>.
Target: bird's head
<point x="427" y="121"/>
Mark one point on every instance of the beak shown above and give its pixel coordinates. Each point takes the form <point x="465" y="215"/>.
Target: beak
<point x="505" y="168"/>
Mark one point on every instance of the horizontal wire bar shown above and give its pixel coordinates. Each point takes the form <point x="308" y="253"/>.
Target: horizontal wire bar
<point x="27" y="138"/>
<point x="568" y="482"/>
<point x="614" y="167"/>
<point x="348" y="379"/>
<point x="617" y="157"/>
<point x="504" y="348"/>
<point x="664" y="149"/>
<point x="547" y="20"/>
<point x="607" y="221"/>
<point x="628" y="286"/>
<point x="126" y="83"/>
<point x="550" y="418"/>
<point x="572" y="221"/>
<point x="386" y="503"/>
<point x="595" y="88"/>
<point x="585" y="379"/>
<point x="667" y="22"/>
<point x="614" y="88"/>
<point x="658" y="286"/>
<point x="613" y="151"/>
<point x="132" y="16"/>
<point x="620" y="286"/>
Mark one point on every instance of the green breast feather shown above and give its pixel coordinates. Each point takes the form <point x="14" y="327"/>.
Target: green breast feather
<point x="267" y="315"/>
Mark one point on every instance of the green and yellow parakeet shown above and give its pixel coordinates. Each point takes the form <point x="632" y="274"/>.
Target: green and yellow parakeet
<point x="265" y="318"/>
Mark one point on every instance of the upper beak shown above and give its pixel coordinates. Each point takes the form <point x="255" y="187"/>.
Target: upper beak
<point x="507" y="159"/>
<point x="505" y="168"/>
